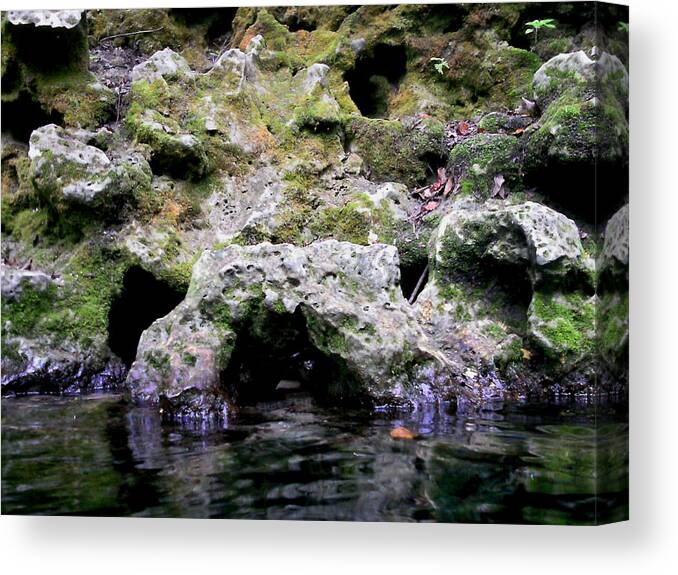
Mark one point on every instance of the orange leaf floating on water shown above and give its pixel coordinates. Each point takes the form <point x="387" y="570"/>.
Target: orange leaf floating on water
<point x="402" y="433"/>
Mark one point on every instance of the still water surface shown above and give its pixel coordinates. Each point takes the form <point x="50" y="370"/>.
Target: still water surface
<point x="95" y="455"/>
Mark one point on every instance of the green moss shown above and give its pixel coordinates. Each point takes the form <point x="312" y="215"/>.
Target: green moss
<point x="316" y="113"/>
<point x="567" y="321"/>
<point x="395" y="152"/>
<point x="482" y="157"/>
<point x="613" y="319"/>
<point x="349" y="223"/>
<point x="494" y="330"/>
<point x="25" y="313"/>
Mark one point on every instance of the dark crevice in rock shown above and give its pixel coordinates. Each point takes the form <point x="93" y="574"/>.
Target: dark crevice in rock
<point x="587" y="191"/>
<point x="433" y="161"/>
<point x="375" y="75"/>
<point x="294" y="24"/>
<point x="23" y="115"/>
<point x="411" y="274"/>
<point x="142" y="300"/>
<point x="445" y="18"/>
<point x="274" y="356"/>
<point x="219" y="21"/>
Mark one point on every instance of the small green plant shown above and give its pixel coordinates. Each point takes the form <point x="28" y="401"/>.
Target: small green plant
<point x="534" y="26"/>
<point x="623" y="27"/>
<point x="440" y="64"/>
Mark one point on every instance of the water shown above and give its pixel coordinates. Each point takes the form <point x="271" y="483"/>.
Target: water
<point x="95" y="455"/>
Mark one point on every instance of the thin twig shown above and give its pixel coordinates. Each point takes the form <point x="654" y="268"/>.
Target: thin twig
<point x="415" y="293"/>
<point x="131" y="33"/>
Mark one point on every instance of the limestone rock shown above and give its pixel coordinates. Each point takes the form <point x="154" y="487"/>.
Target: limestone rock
<point x="52" y="18"/>
<point x="528" y="235"/>
<point x="66" y="169"/>
<point x="496" y="268"/>
<point x="163" y="64"/>
<point x="238" y="65"/>
<point x="30" y="365"/>
<point x="177" y="154"/>
<point x="14" y="281"/>
<point x="567" y="71"/>
<point x="481" y="158"/>
<point x="345" y="297"/>
<point x="584" y="103"/>
<point x="615" y="252"/>
<point x="563" y="325"/>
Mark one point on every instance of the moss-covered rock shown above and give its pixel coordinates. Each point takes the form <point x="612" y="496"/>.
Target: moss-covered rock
<point x="354" y="317"/>
<point x="585" y="104"/>
<point x="563" y="326"/>
<point x="67" y="172"/>
<point x="397" y="151"/>
<point x="478" y="160"/>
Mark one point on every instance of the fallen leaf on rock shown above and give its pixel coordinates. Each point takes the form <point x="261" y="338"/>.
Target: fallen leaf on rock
<point x="518" y="131"/>
<point x="402" y="433"/>
<point x="463" y="127"/>
<point x="430" y="206"/>
<point x="527" y="354"/>
<point x="498" y="189"/>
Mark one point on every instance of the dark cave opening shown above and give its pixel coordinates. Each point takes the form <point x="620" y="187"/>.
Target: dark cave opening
<point x="413" y="277"/>
<point x="445" y="18"/>
<point x="295" y="23"/>
<point x="219" y="20"/>
<point x="273" y="356"/>
<point x="142" y="299"/>
<point x="375" y="75"/>
<point x="23" y="115"/>
<point x="590" y="191"/>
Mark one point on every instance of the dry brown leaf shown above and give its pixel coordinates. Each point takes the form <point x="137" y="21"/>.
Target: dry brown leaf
<point x="463" y="128"/>
<point x="518" y="131"/>
<point x="527" y="354"/>
<point x="448" y="186"/>
<point x="498" y="189"/>
<point x="402" y="433"/>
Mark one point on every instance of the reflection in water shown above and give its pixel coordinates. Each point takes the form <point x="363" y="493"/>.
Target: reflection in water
<point x="94" y="455"/>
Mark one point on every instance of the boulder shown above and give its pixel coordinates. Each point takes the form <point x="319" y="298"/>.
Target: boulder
<point x="162" y="65"/>
<point x="614" y="257"/>
<point x="496" y="270"/>
<point x="67" y="171"/>
<point x="339" y="302"/>
<point x="583" y="134"/>
<point x="14" y="281"/>
<point x="32" y="365"/>
<point x="237" y="67"/>
<point x="397" y="151"/>
<point x="527" y="236"/>
<point x="480" y="159"/>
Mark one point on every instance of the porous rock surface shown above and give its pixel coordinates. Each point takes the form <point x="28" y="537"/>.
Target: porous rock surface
<point x="353" y="310"/>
